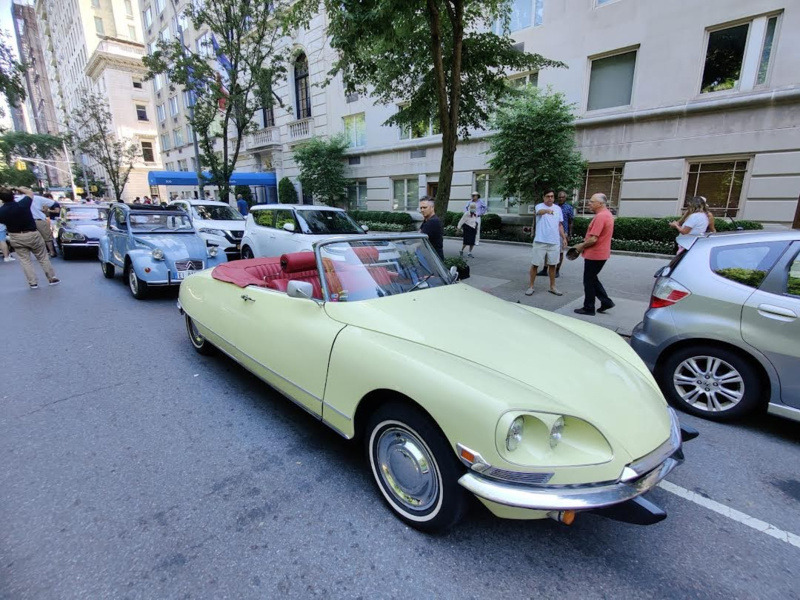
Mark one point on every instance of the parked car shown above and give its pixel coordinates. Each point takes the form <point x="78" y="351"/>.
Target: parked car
<point x="374" y="337"/>
<point x="275" y="229"/>
<point x="217" y="223"/>
<point x="153" y="246"/>
<point x="79" y="227"/>
<point x="722" y="333"/>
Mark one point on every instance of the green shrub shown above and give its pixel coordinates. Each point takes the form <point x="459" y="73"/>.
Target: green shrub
<point x="286" y="192"/>
<point x="490" y="221"/>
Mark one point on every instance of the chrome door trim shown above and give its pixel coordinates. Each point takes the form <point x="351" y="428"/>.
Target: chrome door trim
<point x="781" y="410"/>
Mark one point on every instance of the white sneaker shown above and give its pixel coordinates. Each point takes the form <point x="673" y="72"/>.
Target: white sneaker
<point x="9" y="259"/>
<point x="529" y="292"/>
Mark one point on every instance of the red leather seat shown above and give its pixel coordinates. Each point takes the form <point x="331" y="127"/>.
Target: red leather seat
<point x="253" y="271"/>
<point x="298" y="266"/>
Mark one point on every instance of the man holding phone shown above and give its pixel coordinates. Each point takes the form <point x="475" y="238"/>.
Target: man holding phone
<point x="24" y="235"/>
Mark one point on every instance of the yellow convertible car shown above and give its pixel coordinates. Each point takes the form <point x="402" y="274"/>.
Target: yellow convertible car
<point x="452" y="390"/>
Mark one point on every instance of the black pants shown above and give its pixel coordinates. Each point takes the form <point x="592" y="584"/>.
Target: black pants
<point x="592" y="288"/>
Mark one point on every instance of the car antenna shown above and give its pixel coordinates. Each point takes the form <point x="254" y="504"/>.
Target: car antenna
<point x="736" y="225"/>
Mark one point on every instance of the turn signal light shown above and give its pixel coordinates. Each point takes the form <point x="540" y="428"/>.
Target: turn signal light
<point x="147" y="269"/>
<point x="667" y="292"/>
<point x="567" y="517"/>
<point x="467" y="455"/>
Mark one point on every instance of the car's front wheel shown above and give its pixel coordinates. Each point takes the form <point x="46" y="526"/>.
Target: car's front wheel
<point x="137" y="286"/>
<point x="414" y="467"/>
<point x="108" y="270"/>
<point x="710" y="382"/>
<point x="247" y="252"/>
<point x="199" y="343"/>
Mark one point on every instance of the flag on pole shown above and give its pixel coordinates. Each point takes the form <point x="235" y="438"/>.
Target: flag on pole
<point x="221" y="58"/>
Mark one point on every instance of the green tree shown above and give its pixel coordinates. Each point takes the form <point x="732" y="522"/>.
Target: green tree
<point x="95" y="136"/>
<point x="322" y="168"/>
<point x="20" y="144"/>
<point x="438" y="59"/>
<point x="534" y="147"/>
<point x="246" y="193"/>
<point x="11" y="71"/>
<point x="231" y="81"/>
<point x="286" y="192"/>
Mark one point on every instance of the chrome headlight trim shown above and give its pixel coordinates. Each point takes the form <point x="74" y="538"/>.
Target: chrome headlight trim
<point x="158" y="254"/>
<point x="212" y="251"/>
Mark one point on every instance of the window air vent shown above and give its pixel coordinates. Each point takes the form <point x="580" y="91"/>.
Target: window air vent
<point x="351" y="98"/>
<point x="354" y="160"/>
<point x="418" y="153"/>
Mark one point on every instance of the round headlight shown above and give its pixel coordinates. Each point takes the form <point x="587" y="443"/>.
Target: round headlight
<point x="555" y="432"/>
<point x="514" y="436"/>
<point x="158" y="254"/>
<point x="212" y="251"/>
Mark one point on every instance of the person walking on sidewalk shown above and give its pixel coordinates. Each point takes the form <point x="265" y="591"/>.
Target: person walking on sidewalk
<point x="22" y="232"/>
<point x="596" y="249"/>
<point x="482" y="209"/>
<point x="547" y="241"/>
<point x="469" y="223"/>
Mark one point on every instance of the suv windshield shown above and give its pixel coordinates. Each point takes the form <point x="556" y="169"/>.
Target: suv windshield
<point x="362" y="270"/>
<point x="327" y="222"/>
<point x="160" y="222"/>
<point x="86" y="214"/>
<point x="212" y="212"/>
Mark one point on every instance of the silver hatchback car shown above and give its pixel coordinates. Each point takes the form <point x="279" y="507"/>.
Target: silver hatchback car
<point x="722" y="333"/>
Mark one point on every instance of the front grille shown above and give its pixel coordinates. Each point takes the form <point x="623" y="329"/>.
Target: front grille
<point x="237" y="234"/>
<point x="516" y="476"/>
<point x="185" y="265"/>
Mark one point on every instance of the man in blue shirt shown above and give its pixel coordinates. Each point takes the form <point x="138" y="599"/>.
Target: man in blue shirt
<point x="241" y="204"/>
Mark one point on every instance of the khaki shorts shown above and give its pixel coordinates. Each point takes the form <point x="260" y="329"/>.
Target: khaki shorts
<point x="545" y="254"/>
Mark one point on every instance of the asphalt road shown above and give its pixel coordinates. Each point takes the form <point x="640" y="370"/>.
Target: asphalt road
<point x="131" y="467"/>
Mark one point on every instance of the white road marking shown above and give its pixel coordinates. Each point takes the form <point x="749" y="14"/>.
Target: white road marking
<point x="726" y="511"/>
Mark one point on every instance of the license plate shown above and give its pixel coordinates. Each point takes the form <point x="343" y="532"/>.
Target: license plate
<point x="182" y="274"/>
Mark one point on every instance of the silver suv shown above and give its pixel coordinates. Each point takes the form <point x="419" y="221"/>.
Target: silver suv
<point x="722" y="333"/>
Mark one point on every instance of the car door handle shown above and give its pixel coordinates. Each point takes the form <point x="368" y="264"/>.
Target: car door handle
<point x="776" y="312"/>
<point x="247" y="298"/>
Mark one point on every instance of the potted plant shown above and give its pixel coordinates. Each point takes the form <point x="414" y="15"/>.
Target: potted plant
<point x="460" y="264"/>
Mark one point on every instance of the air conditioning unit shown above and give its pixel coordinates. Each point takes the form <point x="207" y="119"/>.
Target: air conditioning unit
<point x="531" y="208"/>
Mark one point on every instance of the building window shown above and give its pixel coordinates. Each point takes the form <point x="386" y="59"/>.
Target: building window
<point x="204" y="47"/>
<point x="141" y="112"/>
<point x="128" y="8"/>
<point x="355" y="130"/>
<point x="720" y="183"/>
<point x="173" y="106"/>
<point x="177" y="135"/>
<point x="98" y="26"/>
<point x="137" y="83"/>
<point x="147" y="152"/>
<point x="420" y="129"/>
<point x="357" y="195"/>
<point x="160" y="113"/>
<point x="268" y="117"/>
<point x="611" y="81"/>
<point x="523" y="14"/>
<point x="518" y="81"/>
<point x="406" y="194"/>
<point x="601" y="2"/>
<point x="164" y="35"/>
<point x="600" y="180"/>
<point x="738" y="57"/>
<point x="165" y="142"/>
<point x="170" y="166"/>
<point x="132" y="32"/>
<point x="159" y="6"/>
<point x="489" y="187"/>
<point x="182" y="165"/>
<point x="189" y="134"/>
<point x="96" y="3"/>
<point x="158" y="82"/>
<point x="148" y="17"/>
<point x="188" y="98"/>
<point x="301" y="87"/>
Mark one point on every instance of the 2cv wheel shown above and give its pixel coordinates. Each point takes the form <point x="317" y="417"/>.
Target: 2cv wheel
<point x="137" y="286"/>
<point x="414" y="468"/>
<point x="199" y="343"/>
<point x="108" y="270"/>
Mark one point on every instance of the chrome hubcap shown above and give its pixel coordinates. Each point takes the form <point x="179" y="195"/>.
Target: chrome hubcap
<point x="407" y="469"/>
<point x="708" y="383"/>
<point x="194" y="335"/>
<point x="133" y="281"/>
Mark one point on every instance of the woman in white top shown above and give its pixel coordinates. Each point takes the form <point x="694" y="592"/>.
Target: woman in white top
<point x="692" y="225"/>
<point x="469" y="222"/>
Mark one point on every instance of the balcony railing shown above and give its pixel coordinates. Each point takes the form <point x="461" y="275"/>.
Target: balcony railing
<point x="301" y="129"/>
<point x="268" y="136"/>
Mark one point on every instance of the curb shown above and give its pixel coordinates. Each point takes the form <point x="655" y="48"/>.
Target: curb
<point x="620" y="252"/>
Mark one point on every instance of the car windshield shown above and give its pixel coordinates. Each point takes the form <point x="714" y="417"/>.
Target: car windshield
<point x="87" y="213"/>
<point x="160" y="222"/>
<point x="213" y="212"/>
<point x="362" y="270"/>
<point x="327" y="222"/>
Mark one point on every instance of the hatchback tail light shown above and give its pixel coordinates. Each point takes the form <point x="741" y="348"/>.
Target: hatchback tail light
<point x="667" y="292"/>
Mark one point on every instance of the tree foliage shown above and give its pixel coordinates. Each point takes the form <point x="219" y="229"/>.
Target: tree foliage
<point x="322" y="168"/>
<point x="231" y="82"/>
<point x="15" y="144"/>
<point x="534" y="147"/>
<point x="11" y="71"/>
<point x="438" y="59"/>
<point x="286" y="192"/>
<point x="95" y="136"/>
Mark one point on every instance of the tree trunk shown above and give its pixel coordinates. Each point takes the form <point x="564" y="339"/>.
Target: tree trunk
<point x="796" y="224"/>
<point x="446" y="174"/>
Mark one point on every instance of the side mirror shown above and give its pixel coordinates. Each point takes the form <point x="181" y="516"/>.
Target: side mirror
<point x="289" y="227"/>
<point x="365" y="228"/>
<point x="300" y="289"/>
<point x="453" y="273"/>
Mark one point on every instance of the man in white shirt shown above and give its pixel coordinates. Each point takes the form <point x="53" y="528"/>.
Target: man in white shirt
<point x="547" y="240"/>
<point x="38" y="205"/>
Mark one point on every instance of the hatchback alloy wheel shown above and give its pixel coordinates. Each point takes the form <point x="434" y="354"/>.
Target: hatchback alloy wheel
<point x="709" y="383"/>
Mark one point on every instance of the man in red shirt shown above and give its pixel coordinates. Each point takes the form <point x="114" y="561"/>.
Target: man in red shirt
<point x="596" y="248"/>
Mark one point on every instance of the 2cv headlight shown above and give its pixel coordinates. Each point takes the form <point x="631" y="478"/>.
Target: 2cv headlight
<point x="158" y="254"/>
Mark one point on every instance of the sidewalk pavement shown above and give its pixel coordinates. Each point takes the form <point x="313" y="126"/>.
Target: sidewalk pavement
<point x="502" y="270"/>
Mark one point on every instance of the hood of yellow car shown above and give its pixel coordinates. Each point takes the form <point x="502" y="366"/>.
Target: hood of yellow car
<point x="571" y="367"/>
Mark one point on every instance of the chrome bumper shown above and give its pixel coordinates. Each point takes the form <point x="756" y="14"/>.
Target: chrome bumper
<point x="566" y="498"/>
